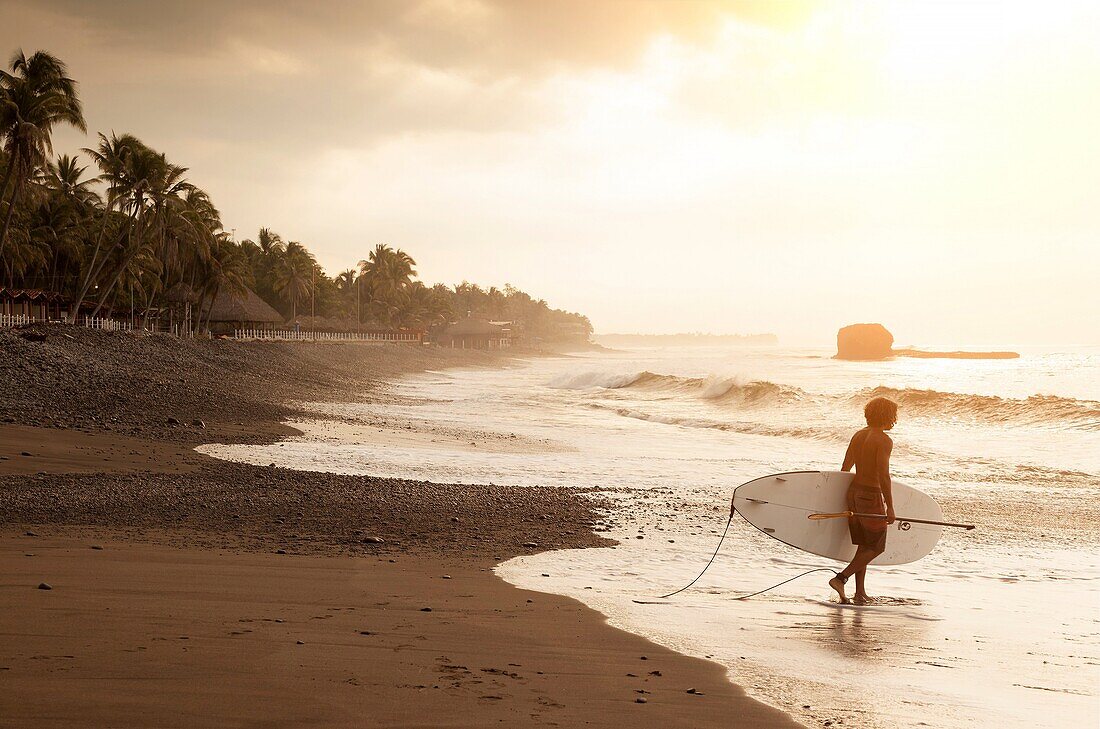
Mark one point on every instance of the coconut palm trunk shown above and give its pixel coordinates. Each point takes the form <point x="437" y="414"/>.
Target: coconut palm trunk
<point x="128" y="258"/>
<point x="7" y="217"/>
<point x="93" y="270"/>
<point x="7" y="178"/>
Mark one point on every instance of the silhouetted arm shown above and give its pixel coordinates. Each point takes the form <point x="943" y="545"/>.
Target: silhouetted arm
<point x="850" y="455"/>
<point x="883" y="464"/>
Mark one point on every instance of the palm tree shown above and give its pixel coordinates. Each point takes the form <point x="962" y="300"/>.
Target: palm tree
<point x="35" y="95"/>
<point x="113" y="156"/>
<point x="152" y="190"/>
<point x="387" y="274"/>
<point x="229" y="271"/>
<point x="294" y="275"/>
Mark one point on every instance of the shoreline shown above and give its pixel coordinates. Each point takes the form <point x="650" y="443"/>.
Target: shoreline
<point x="177" y="526"/>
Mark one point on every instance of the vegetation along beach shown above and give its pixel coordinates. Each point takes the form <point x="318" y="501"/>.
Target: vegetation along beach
<point x="602" y="363"/>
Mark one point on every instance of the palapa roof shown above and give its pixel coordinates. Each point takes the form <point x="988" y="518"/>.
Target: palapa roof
<point x="247" y="306"/>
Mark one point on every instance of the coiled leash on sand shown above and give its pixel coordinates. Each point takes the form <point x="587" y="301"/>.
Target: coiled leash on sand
<point x="711" y="561"/>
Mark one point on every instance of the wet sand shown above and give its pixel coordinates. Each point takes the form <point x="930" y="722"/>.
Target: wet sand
<point x="140" y="634"/>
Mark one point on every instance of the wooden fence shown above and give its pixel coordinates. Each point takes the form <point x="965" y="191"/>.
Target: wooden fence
<point x="289" y="335"/>
<point x="112" y="325"/>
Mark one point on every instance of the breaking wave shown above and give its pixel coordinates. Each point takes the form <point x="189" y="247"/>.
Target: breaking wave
<point x="720" y="389"/>
<point x="752" y="428"/>
<point x="1034" y="410"/>
<point x="736" y="391"/>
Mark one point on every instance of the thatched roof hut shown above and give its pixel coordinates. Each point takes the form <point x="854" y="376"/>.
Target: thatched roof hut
<point x="473" y="333"/>
<point x="230" y="311"/>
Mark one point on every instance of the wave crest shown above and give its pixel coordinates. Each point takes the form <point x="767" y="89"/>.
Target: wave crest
<point x="715" y="388"/>
<point x="1034" y="410"/>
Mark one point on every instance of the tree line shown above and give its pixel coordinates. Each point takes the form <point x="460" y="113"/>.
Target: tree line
<point x="128" y="230"/>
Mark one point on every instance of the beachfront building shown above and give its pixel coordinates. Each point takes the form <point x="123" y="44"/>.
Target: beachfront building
<point x="471" y="333"/>
<point x="18" y="306"/>
<point x="230" y="312"/>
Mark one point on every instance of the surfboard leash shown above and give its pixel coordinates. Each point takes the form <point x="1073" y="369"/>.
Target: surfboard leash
<point x="742" y="597"/>
<point x="712" y="558"/>
<point x="792" y="579"/>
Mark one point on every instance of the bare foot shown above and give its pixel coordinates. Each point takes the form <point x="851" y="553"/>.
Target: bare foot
<point x="862" y="599"/>
<point x="837" y="584"/>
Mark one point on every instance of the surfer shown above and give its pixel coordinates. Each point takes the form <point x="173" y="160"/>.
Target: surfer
<point x="869" y="493"/>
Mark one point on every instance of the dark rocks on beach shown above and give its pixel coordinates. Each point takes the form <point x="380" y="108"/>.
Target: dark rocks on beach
<point x="640" y="700"/>
<point x="44" y="586"/>
<point x="425" y="609"/>
<point x="198" y="423"/>
<point x="24" y="453"/>
<point x="149" y="385"/>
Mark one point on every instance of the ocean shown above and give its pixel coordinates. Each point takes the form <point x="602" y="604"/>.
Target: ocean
<point x="998" y="627"/>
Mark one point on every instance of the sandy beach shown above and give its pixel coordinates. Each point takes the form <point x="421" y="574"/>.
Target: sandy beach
<point x="189" y="591"/>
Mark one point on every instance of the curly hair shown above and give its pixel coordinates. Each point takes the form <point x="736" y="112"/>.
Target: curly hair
<point x="881" y="413"/>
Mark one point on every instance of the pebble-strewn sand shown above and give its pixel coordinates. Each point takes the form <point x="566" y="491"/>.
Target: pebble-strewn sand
<point x="163" y="588"/>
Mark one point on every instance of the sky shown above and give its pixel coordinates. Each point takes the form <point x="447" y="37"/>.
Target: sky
<point x="719" y="166"/>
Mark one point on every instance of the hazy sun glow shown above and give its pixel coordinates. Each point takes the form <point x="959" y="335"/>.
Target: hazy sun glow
<point x="929" y="165"/>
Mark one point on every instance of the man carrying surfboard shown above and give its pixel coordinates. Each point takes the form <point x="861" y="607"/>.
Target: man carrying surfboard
<point x="869" y="493"/>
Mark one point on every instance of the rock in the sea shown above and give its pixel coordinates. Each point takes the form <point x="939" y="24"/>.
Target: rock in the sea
<point x="864" y="341"/>
<point x="45" y="586"/>
<point x="373" y="540"/>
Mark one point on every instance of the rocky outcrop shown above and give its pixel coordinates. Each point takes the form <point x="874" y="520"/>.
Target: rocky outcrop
<point x="864" y="341"/>
<point x="874" y="342"/>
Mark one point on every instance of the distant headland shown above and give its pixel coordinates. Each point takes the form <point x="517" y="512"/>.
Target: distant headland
<point x="875" y="342"/>
<point x="692" y="339"/>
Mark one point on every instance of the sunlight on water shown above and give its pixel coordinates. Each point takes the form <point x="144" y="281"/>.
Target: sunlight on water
<point x="998" y="627"/>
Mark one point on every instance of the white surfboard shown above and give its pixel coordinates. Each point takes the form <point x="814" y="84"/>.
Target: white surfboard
<point x="779" y="505"/>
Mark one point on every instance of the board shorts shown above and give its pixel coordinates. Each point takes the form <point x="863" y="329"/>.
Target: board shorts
<point x="864" y="499"/>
